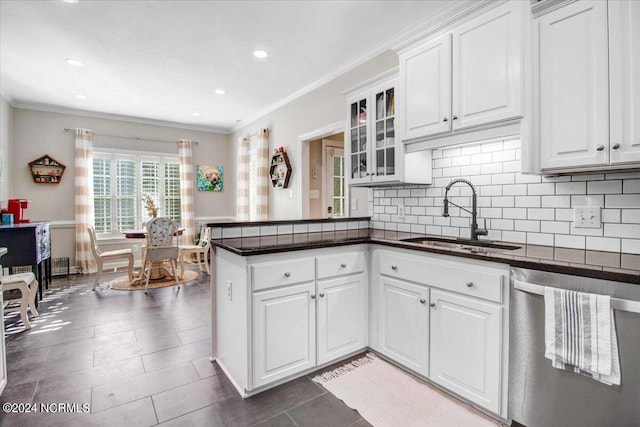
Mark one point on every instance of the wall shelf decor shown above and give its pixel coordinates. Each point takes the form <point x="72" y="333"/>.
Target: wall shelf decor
<point x="46" y="170"/>
<point x="280" y="169"/>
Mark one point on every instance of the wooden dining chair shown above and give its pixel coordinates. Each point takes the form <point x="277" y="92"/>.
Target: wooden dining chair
<point x="199" y="250"/>
<point x="161" y="246"/>
<point x="101" y="257"/>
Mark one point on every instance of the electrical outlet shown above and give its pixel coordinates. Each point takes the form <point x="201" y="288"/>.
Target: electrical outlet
<point x="354" y="204"/>
<point x="136" y="249"/>
<point x="587" y="217"/>
<point x="401" y="211"/>
<point x="229" y="290"/>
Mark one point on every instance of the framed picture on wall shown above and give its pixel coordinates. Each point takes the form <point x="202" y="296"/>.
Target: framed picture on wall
<point x="210" y="178"/>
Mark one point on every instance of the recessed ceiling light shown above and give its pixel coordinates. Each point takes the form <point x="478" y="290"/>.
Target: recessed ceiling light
<point x="71" y="1"/>
<point x="74" y="62"/>
<point x="220" y="91"/>
<point x="79" y="96"/>
<point x="260" y="53"/>
<point x="195" y="114"/>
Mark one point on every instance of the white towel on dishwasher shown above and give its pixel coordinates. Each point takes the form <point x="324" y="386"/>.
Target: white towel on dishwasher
<point x="580" y="334"/>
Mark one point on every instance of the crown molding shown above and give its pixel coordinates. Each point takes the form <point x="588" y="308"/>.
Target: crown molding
<point x="393" y="72"/>
<point x="5" y="94"/>
<point x="454" y="8"/>
<point x="64" y="110"/>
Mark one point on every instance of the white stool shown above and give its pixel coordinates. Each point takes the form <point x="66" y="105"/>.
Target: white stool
<point x="27" y="284"/>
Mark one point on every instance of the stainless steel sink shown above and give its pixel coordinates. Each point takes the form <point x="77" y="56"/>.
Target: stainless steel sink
<point x="473" y="246"/>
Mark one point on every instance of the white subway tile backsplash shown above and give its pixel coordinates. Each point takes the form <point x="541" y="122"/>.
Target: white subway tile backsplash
<point x="341" y="226"/>
<point x="604" y="187"/>
<point x="405" y="228"/>
<point x="518" y="207"/>
<point x="603" y="244"/>
<point x="250" y="231"/>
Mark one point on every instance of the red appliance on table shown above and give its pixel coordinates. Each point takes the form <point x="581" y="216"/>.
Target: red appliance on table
<point x="17" y="207"/>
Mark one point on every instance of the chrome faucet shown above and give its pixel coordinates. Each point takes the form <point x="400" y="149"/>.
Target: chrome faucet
<point x="475" y="231"/>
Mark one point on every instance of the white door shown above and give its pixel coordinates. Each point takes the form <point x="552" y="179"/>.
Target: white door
<point x="425" y="90"/>
<point x="404" y="323"/>
<point x="487" y="68"/>
<point x="465" y="347"/>
<point x="572" y="69"/>
<point x="341" y="317"/>
<point x="624" y="63"/>
<point x="284" y="339"/>
<point x="333" y="187"/>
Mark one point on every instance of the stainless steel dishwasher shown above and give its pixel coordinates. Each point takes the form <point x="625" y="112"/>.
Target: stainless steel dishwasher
<point x="542" y="396"/>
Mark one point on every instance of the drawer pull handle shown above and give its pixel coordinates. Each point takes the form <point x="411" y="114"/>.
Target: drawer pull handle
<point x="445" y="120"/>
<point x="343" y="265"/>
<point x="469" y="284"/>
<point x="433" y="305"/>
<point x="615" y="146"/>
<point x="599" y="147"/>
<point x="422" y="300"/>
<point x="313" y="296"/>
<point x="321" y="295"/>
<point x="287" y="274"/>
<point x="394" y="267"/>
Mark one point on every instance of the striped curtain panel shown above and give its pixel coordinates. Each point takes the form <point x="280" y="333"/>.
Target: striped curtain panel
<point x="242" y="203"/>
<point x="85" y="216"/>
<point x="262" y="175"/>
<point x="187" y="208"/>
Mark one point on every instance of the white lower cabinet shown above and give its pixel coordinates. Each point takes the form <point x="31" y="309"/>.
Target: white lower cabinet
<point x="404" y="323"/>
<point x="465" y="347"/>
<point x="284" y="332"/>
<point x="341" y="317"/>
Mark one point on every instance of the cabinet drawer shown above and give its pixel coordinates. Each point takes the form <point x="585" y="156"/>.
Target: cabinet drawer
<point x="338" y="265"/>
<point x="476" y="281"/>
<point x="274" y="274"/>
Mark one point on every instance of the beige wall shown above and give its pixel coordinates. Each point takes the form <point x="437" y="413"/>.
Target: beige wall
<point x="6" y="113"/>
<point x="35" y="133"/>
<point x="315" y="110"/>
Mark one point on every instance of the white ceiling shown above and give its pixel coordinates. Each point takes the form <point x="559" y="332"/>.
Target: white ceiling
<point x="162" y="60"/>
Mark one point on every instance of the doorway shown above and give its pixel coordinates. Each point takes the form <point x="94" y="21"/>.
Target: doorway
<point x="326" y="177"/>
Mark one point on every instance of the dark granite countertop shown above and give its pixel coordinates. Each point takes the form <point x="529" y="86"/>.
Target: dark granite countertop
<point x="613" y="266"/>
<point x="230" y="224"/>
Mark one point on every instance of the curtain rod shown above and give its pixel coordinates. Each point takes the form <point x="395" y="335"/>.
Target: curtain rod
<point x="139" y="138"/>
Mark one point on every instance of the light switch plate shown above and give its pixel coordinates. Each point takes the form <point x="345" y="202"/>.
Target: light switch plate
<point x="354" y="204"/>
<point x="401" y="211"/>
<point x="587" y="217"/>
<point x="314" y="194"/>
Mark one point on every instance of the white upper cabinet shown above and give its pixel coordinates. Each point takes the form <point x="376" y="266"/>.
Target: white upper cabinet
<point x="374" y="155"/>
<point x="587" y="102"/>
<point x="573" y="86"/>
<point x="624" y="62"/>
<point x="467" y="78"/>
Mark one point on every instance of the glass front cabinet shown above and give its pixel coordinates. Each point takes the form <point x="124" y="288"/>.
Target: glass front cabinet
<point x="375" y="155"/>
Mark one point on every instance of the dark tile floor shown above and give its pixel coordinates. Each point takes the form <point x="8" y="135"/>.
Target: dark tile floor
<point x="138" y="360"/>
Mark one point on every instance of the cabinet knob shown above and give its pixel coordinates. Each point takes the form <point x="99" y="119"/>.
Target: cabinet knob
<point x="433" y="305"/>
<point x="343" y="265"/>
<point x="422" y="300"/>
<point x="599" y="147"/>
<point x="615" y="146"/>
<point x="469" y="284"/>
<point x="313" y="296"/>
<point x="321" y="295"/>
<point x="445" y="119"/>
<point x="287" y="274"/>
<point x="394" y="267"/>
<point x="454" y="118"/>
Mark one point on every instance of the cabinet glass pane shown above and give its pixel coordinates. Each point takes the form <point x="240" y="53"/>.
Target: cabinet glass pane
<point x="363" y="138"/>
<point x="390" y="106"/>
<point x="380" y="134"/>
<point x="362" y="114"/>
<point x="391" y="133"/>
<point x="354" y="114"/>
<point x="363" y="165"/>
<point x="380" y="106"/>
<point x="391" y="162"/>
<point x="380" y="169"/>
<point x="354" y="140"/>
<point x="354" y="166"/>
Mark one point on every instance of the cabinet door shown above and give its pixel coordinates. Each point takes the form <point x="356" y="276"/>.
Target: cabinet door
<point x="358" y="139"/>
<point x="624" y="63"/>
<point x="404" y="323"/>
<point x="572" y="67"/>
<point x="465" y="347"/>
<point x="341" y="317"/>
<point x="384" y="148"/>
<point x="487" y="68"/>
<point x="425" y="82"/>
<point x="284" y="339"/>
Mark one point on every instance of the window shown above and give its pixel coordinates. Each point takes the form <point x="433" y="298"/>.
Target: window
<point x="334" y="179"/>
<point x="121" y="180"/>
<point x="253" y="177"/>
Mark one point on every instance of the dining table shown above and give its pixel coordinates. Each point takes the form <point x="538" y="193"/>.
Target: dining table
<point x="159" y="270"/>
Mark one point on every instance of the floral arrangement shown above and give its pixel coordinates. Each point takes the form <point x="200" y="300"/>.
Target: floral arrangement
<point x="150" y="206"/>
